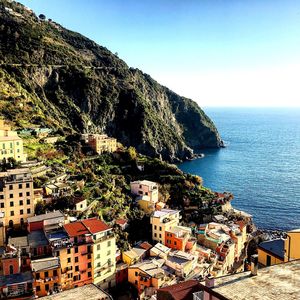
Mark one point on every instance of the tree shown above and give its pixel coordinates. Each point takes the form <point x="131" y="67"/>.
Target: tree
<point x="42" y="17"/>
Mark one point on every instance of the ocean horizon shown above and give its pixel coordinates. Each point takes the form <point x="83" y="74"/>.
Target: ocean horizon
<point x="260" y="164"/>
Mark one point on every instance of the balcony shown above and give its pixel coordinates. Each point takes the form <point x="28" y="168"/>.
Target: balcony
<point x="106" y="237"/>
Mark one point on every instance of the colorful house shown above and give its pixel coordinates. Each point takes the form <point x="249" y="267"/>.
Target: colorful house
<point x="104" y="252"/>
<point x="46" y="274"/>
<point x="16" y="196"/>
<point x="162" y="221"/>
<point x="147" y="194"/>
<point x="179" y="238"/>
<point x="17" y="286"/>
<point x="81" y="253"/>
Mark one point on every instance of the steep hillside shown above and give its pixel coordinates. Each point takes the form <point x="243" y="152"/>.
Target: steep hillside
<point x="58" y="78"/>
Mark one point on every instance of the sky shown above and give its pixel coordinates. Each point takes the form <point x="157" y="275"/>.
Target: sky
<point x="217" y="52"/>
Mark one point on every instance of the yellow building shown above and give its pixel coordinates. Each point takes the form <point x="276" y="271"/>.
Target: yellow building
<point x="292" y="245"/>
<point x="2" y="230"/>
<point x="133" y="255"/>
<point x="104" y="252"/>
<point x="280" y="250"/>
<point x="161" y="221"/>
<point x="101" y="143"/>
<point x="16" y="196"/>
<point x="11" y="146"/>
<point x="148" y="276"/>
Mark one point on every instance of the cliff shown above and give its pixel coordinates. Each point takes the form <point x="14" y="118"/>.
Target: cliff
<point x="54" y="77"/>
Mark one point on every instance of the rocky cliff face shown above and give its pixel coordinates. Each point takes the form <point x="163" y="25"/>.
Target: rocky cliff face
<point x="54" y="77"/>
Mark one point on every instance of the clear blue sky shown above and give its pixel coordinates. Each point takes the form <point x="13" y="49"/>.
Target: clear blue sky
<point x="218" y="52"/>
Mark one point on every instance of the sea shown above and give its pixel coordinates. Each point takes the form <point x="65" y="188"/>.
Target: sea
<point x="260" y="164"/>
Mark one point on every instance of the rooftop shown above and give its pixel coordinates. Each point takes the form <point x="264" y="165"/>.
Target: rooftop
<point x="75" y="229"/>
<point x="15" y="278"/>
<point x="135" y="252"/>
<point x="180" y="291"/>
<point x="45" y="264"/>
<point x="145" y="182"/>
<point x="37" y="238"/>
<point x="95" y="225"/>
<point x="90" y="291"/>
<point x="50" y="215"/>
<point x="160" y="249"/>
<point x="149" y="267"/>
<point x="275" y="247"/>
<point x="21" y="241"/>
<point x="15" y="172"/>
<point x="164" y="212"/>
<point x="276" y="282"/>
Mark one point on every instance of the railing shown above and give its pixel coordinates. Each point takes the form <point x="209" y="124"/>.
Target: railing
<point x="106" y="237"/>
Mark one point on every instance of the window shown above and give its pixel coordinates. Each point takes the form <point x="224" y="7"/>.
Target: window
<point x="89" y="249"/>
<point x="20" y="202"/>
<point x="108" y="243"/>
<point x="46" y="274"/>
<point x="28" y="210"/>
<point x="28" y="201"/>
<point x="76" y="259"/>
<point x="160" y="235"/>
<point x="89" y="265"/>
<point x="20" y="194"/>
<point x="37" y="276"/>
<point x="69" y="259"/>
<point x="11" y="196"/>
<point x="18" y="150"/>
<point x="159" y="228"/>
<point x="76" y="249"/>
<point x="175" y="243"/>
<point x="76" y="268"/>
<point x="21" y="211"/>
<point x="27" y="193"/>
<point x="47" y="287"/>
<point x="38" y="288"/>
<point x="2" y="205"/>
<point x="98" y="256"/>
<point x="20" y="185"/>
<point x="136" y="273"/>
<point x="54" y="272"/>
<point x="11" y="269"/>
<point x="10" y="187"/>
<point x="108" y="252"/>
<point x="98" y="247"/>
<point x="27" y="185"/>
<point x="1" y="196"/>
<point x="155" y="227"/>
<point x="155" y="235"/>
<point x="11" y="203"/>
<point x="89" y="274"/>
<point x="12" y="213"/>
<point x="69" y="251"/>
<point x="136" y="282"/>
<point x="98" y="265"/>
<point x="57" y="253"/>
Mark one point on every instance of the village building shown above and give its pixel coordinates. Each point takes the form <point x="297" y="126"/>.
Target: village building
<point x="101" y="143"/>
<point x="17" y="286"/>
<point x="104" y="251"/>
<point x="163" y="220"/>
<point x="11" y="145"/>
<point x="280" y="250"/>
<point x="148" y="276"/>
<point x="46" y="274"/>
<point x="146" y="193"/>
<point x="16" y="196"/>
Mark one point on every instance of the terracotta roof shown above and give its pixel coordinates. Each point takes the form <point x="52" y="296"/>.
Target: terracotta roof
<point x="145" y="245"/>
<point x="75" y="229"/>
<point x="121" y="221"/>
<point x="180" y="291"/>
<point x="95" y="225"/>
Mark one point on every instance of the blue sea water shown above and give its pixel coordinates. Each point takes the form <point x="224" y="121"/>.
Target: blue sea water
<point x="260" y="166"/>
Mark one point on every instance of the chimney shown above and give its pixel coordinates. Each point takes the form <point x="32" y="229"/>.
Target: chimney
<point x="209" y="281"/>
<point x="254" y="264"/>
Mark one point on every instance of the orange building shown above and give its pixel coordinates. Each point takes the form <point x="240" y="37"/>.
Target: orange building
<point x="177" y="237"/>
<point x="46" y="274"/>
<point x="81" y="253"/>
